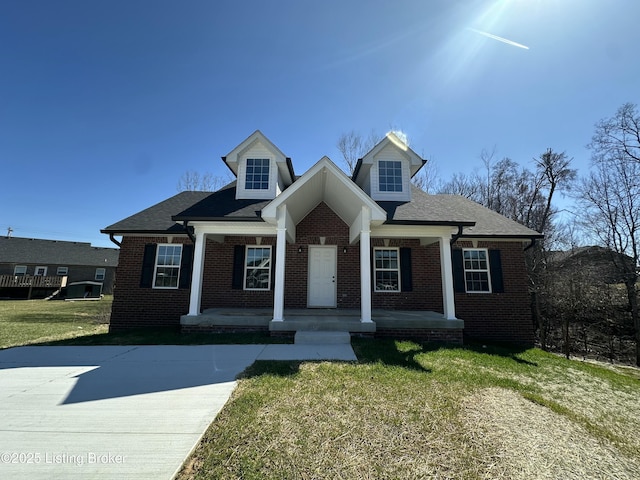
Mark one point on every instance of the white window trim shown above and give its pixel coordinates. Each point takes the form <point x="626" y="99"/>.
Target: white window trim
<point x="104" y="272"/>
<point x="268" y="160"/>
<point x="62" y="271"/>
<point x="44" y="274"/>
<point x="246" y="268"/>
<point x="488" y="270"/>
<point x="391" y="192"/>
<point x="15" y="270"/>
<point x="375" y="270"/>
<point x="245" y="193"/>
<point x="155" y="268"/>
<point x="377" y="194"/>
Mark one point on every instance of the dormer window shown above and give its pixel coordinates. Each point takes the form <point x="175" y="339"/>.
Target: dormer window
<point x="257" y="174"/>
<point x="390" y="176"/>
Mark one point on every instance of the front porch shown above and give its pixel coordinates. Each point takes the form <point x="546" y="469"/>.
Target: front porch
<point x="411" y="323"/>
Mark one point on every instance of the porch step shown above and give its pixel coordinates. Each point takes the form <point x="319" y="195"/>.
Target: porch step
<point x="319" y="337"/>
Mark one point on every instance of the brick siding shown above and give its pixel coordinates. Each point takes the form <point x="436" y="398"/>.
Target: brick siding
<point x="499" y="316"/>
<point x="496" y="316"/>
<point x="135" y="307"/>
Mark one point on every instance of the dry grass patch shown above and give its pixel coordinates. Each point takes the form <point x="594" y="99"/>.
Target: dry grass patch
<point x="531" y="441"/>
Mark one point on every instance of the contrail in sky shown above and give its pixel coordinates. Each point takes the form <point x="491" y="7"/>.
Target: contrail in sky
<point x="500" y="39"/>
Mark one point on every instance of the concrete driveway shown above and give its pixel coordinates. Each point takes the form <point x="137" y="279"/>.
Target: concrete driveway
<point x="118" y="411"/>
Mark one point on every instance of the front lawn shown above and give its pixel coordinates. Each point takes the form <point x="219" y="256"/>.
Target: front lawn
<point x="40" y="322"/>
<point x="408" y="410"/>
<point x="24" y="322"/>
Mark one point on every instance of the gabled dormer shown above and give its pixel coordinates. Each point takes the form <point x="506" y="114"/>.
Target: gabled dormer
<point x="261" y="169"/>
<point x="385" y="172"/>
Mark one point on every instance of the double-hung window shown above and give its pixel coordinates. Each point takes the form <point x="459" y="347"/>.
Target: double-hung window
<point x="257" y="174"/>
<point x="390" y="176"/>
<point x="167" y="268"/>
<point x="476" y="270"/>
<point x="61" y="271"/>
<point x="257" y="268"/>
<point x="386" y="265"/>
<point x="20" y="270"/>
<point x="100" y="273"/>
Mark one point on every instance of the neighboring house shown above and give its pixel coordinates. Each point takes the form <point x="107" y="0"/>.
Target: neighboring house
<point x="388" y="257"/>
<point x="593" y="264"/>
<point x="49" y="265"/>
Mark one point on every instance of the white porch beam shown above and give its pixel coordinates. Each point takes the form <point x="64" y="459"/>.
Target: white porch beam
<point x="355" y="228"/>
<point x="281" y="249"/>
<point x="365" y="265"/>
<point x="446" y="269"/>
<point x="196" y="274"/>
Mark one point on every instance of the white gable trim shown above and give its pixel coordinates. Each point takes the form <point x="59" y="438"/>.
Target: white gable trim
<point x="323" y="182"/>
<point x="257" y="145"/>
<point x="391" y="141"/>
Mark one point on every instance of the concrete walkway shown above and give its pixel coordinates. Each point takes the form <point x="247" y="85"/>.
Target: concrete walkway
<point x="120" y="411"/>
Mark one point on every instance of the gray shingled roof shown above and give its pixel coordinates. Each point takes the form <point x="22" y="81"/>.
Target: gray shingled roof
<point x="55" y="252"/>
<point x="454" y="209"/>
<point x="157" y="218"/>
<point x="222" y="205"/>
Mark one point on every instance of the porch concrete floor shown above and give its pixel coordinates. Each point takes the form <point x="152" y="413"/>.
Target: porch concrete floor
<point x="339" y="319"/>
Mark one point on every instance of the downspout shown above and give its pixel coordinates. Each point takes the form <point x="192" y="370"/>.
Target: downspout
<point x="189" y="232"/>
<point x="533" y="242"/>
<point x="113" y="239"/>
<point x="455" y="237"/>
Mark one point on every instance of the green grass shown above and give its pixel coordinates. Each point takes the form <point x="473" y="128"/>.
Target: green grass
<point x="24" y="322"/>
<point x="409" y="410"/>
<point x="40" y="322"/>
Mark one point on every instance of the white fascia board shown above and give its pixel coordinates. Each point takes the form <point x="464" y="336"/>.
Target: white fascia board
<point x="234" y="228"/>
<point x="412" y="231"/>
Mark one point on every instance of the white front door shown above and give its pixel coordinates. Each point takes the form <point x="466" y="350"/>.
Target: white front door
<point x="322" y="276"/>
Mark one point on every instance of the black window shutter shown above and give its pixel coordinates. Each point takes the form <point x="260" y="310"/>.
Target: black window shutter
<point x="495" y="267"/>
<point x="238" y="267"/>
<point x="186" y="266"/>
<point x="148" y="265"/>
<point x="406" y="277"/>
<point x="273" y="266"/>
<point x="458" y="270"/>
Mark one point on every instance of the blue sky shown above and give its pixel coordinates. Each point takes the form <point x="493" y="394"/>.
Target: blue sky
<point x="105" y="104"/>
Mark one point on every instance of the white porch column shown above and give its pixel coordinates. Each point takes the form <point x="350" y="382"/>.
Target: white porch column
<point x="196" y="274"/>
<point x="448" y="297"/>
<point x="365" y="266"/>
<point x="281" y="250"/>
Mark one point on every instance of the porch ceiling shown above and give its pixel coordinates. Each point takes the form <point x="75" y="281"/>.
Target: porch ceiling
<point x="324" y="182"/>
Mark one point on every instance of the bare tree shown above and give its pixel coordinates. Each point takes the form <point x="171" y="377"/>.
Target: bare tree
<point x="428" y="178"/>
<point x="620" y="133"/>
<point x="353" y="146"/>
<point x="468" y="186"/>
<point x="611" y="199"/>
<point x="195" y="181"/>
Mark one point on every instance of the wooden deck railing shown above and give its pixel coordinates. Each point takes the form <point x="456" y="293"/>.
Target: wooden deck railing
<point x="28" y="281"/>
